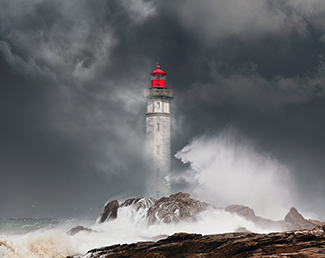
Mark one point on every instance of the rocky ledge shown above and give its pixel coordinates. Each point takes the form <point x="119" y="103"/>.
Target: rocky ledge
<point x="180" y="207"/>
<point x="177" y="207"/>
<point x="307" y="243"/>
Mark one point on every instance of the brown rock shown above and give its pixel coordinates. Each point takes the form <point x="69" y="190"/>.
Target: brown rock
<point x="298" y="221"/>
<point x="249" y="214"/>
<point x="139" y="203"/>
<point x="110" y="211"/>
<point x="238" y="245"/>
<point x="154" y="255"/>
<point x="175" y="208"/>
<point x="242" y="210"/>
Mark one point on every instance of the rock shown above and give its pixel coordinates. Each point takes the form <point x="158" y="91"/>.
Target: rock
<point x="180" y="207"/>
<point x="175" y="208"/>
<point x="242" y="210"/>
<point x="242" y="230"/>
<point x="110" y="211"/>
<point x="310" y="243"/>
<point x="294" y="217"/>
<point x="292" y="221"/>
<point x="139" y="203"/>
<point x="249" y="214"/>
<point x="298" y="221"/>
<point x="77" y="229"/>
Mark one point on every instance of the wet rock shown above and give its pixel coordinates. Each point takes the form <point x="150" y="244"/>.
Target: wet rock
<point x="242" y="210"/>
<point x="292" y="221"/>
<point x="175" y="208"/>
<point x="308" y="243"/>
<point x="77" y="229"/>
<point x="110" y="211"/>
<point x="299" y="222"/>
<point x="249" y="214"/>
<point x="139" y="203"/>
<point x="172" y="209"/>
<point x="180" y="207"/>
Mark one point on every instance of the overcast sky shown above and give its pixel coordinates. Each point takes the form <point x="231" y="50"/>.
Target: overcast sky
<point x="72" y="76"/>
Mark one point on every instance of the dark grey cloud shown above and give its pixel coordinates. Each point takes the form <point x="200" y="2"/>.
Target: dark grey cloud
<point x="73" y="75"/>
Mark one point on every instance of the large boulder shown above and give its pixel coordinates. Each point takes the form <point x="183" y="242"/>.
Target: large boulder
<point x="139" y="203"/>
<point x="177" y="207"/>
<point x="110" y="211"/>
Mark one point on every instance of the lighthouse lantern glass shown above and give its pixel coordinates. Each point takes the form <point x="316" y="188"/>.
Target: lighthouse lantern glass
<point x="158" y="78"/>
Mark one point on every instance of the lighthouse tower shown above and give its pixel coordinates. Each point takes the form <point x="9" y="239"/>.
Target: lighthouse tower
<point x="158" y="99"/>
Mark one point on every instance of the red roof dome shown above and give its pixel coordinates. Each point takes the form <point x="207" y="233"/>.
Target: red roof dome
<point x="158" y="71"/>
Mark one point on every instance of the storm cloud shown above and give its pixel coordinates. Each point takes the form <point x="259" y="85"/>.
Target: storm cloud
<point x="72" y="79"/>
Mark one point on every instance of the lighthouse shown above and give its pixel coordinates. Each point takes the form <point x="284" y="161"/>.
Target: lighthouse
<point x="158" y="99"/>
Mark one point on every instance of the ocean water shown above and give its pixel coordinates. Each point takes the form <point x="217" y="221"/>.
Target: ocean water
<point x="47" y="238"/>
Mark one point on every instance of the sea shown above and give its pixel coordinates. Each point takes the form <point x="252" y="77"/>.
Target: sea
<point x="48" y="238"/>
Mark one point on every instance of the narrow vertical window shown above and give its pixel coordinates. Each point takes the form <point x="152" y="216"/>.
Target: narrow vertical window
<point x="158" y="149"/>
<point x="157" y="171"/>
<point x="158" y="104"/>
<point x="157" y="194"/>
<point x="157" y="126"/>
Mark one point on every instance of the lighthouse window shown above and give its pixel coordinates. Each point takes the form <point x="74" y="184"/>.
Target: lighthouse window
<point x="158" y="126"/>
<point x="157" y="171"/>
<point x="158" y="149"/>
<point x="158" y="104"/>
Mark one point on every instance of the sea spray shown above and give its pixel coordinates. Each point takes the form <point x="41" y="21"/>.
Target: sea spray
<point x="50" y="244"/>
<point x="229" y="170"/>
<point x="130" y="226"/>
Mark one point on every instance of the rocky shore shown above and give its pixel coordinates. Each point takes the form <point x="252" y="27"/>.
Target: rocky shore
<point x="180" y="207"/>
<point x="306" y="243"/>
<point x="295" y="236"/>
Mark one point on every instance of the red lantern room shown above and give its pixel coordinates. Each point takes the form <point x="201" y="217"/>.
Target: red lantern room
<point x="158" y="78"/>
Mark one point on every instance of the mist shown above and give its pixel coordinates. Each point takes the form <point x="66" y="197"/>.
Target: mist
<point x="228" y="168"/>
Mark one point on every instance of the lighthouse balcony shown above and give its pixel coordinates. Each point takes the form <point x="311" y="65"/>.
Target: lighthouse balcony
<point x="156" y="92"/>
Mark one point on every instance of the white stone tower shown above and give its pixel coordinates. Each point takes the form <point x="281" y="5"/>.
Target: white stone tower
<point x="158" y="99"/>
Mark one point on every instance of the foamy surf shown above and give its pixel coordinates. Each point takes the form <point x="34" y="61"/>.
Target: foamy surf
<point x="129" y="226"/>
<point x="51" y="244"/>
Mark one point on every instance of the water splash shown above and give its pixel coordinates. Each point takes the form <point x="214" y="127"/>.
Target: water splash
<point x="130" y="226"/>
<point x="229" y="170"/>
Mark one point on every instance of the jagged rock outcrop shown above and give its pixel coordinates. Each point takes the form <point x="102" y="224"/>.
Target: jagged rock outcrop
<point x="299" y="222"/>
<point x="180" y="207"/>
<point x="308" y="243"/>
<point x="110" y="211"/>
<point x="139" y="203"/>
<point x="300" y="242"/>
<point x="260" y="222"/>
<point x="292" y="221"/>
<point x="175" y="208"/>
